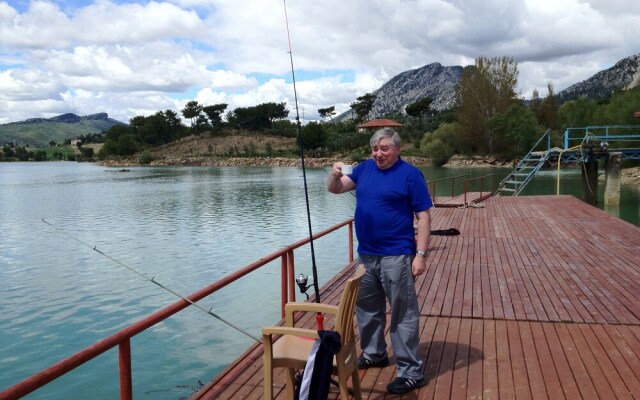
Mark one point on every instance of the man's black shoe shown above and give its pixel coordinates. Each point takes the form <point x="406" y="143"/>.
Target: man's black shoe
<point x="364" y="362"/>
<point x="404" y="385"/>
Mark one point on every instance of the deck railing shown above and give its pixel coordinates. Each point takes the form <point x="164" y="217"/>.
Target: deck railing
<point x="479" y="182"/>
<point x="450" y="181"/>
<point x="122" y="338"/>
<point x="478" y="186"/>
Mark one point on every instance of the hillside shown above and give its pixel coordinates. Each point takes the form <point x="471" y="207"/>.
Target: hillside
<point x="207" y="146"/>
<point x="433" y="80"/>
<point x="624" y="75"/>
<point x="439" y="82"/>
<point x="38" y="132"/>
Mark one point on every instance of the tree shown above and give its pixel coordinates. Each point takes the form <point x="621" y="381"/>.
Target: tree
<point x="485" y="90"/>
<point x="442" y="143"/>
<point x="328" y="112"/>
<point x="362" y="107"/>
<point x="313" y="137"/>
<point x="87" y="153"/>
<point x="579" y="112"/>
<point x="620" y="108"/>
<point x="214" y="113"/>
<point x="419" y="108"/>
<point x="535" y="103"/>
<point x="548" y="112"/>
<point x="40" y="155"/>
<point x="172" y="120"/>
<point x="261" y="116"/>
<point x="438" y="151"/>
<point x="515" y="130"/>
<point x="192" y="111"/>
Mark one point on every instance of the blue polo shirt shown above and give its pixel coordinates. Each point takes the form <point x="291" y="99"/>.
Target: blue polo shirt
<point x="386" y="200"/>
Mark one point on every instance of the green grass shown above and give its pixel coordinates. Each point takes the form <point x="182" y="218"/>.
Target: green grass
<point x="58" y="152"/>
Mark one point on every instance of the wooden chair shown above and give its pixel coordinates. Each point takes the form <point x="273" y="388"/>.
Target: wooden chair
<point x="292" y="349"/>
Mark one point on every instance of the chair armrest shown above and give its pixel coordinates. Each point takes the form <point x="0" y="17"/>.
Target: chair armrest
<point x="312" y="307"/>
<point x="285" y="330"/>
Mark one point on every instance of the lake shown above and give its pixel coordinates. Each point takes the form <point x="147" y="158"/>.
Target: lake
<point x="184" y="226"/>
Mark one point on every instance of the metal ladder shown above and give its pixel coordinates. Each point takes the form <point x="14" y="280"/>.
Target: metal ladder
<point x="524" y="171"/>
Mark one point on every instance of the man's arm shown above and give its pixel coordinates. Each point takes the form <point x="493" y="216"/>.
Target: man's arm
<point x="337" y="182"/>
<point x="423" y="237"/>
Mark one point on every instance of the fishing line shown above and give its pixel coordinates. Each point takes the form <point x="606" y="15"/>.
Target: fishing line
<point x="304" y="174"/>
<point x="153" y="280"/>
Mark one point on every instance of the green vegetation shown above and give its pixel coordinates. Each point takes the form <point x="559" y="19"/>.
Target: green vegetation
<point x="41" y="133"/>
<point x="489" y="119"/>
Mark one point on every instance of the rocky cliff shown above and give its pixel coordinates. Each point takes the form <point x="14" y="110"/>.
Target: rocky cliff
<point x="625" y="74"/>
<point x="439" y="82"/>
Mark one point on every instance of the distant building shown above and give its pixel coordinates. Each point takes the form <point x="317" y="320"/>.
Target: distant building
<point x="376" y="124"/>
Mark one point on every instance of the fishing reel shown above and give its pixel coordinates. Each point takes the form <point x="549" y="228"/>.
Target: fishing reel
<point x="302" y="281"/>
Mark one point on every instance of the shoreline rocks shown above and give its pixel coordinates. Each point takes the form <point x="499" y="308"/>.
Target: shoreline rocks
<point x="627" y="175"/>
<point x="311" y="162"/>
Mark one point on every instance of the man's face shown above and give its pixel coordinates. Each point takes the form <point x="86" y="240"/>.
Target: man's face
<point x="384" y="153"/>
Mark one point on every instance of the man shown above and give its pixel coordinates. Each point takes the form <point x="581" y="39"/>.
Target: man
<point x="389" y="193"/>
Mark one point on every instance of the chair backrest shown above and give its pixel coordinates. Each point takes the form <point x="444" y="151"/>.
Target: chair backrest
<point x="346" y="310"/>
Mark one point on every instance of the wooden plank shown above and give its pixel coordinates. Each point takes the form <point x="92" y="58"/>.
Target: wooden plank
<point x="510" y="284"/>
<point x="506" y="379"/>
<point x="532" y="362"/>
<point x="620" y="364"/>
<point x="489" y="360"/>
<point x="546" y="362"/>
<point x="468" y="279"/>
<point x="447" y="362"/>
<point x="480" y="279"/>
<point x="427" y="341"/>
<point x="435" y="356"/>
<point x="518" y="364"/>
<point x="562" y="368"/>
<point x="535" y="291"/>
<point x="450" y="304"/>
<point x="475" y="365"/>
<point x="459" y="386"/>
<point x="500" y="297"/>
<point x="491" y="301"/>
<point x="591" y="362"/>
<point x="601" y="354"/>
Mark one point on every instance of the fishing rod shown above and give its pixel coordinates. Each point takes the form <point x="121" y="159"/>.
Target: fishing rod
<point x="153" y="280"/>
<point x="304" y="174"/>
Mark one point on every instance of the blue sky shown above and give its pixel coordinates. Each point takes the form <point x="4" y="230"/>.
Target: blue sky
<point x="131" y="58"/>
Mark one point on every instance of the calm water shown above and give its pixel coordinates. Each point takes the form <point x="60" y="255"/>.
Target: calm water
<point x="186" y="227"/>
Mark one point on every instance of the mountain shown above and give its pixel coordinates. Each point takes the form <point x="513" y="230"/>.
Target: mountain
<point x="38" y="132"/>
<point x="625" y="74"/>
<point x="432" y="80"/>
<point x="439" y="82"/>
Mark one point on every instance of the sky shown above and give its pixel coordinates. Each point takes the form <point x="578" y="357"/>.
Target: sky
<point x="131" y="58"/>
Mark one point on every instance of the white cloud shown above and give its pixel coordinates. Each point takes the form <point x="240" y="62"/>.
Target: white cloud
<point x="131" y="58"/>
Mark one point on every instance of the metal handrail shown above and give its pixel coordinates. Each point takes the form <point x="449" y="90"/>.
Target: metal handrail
<point x="432" y="185"/>
<point x="607" y="136"/>
<point x="122" y="337"/>
<point x="468" y="182"/>
<point x="523" y="161"/>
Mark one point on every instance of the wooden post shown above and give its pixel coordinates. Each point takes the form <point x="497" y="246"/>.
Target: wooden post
<point x="590" y="181"/>
<point x="612" y="180"/>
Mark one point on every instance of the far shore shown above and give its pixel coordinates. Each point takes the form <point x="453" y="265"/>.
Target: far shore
<point x="628" y="176"/>
<point x="456" y="161"/>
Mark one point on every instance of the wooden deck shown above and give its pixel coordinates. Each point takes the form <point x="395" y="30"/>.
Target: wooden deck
<point x="537" y="298"/>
